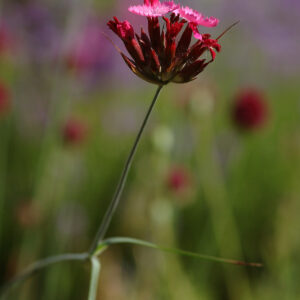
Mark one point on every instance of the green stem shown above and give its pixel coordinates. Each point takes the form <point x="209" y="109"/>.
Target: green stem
<point x="116" y="199"/>
<point x="41" y="264"/>
<point x="5" y="135"/>
<point x="95" y="271"/>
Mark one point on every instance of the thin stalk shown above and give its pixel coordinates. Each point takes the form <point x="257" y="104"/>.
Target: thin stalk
<point x="116" y="199"/>
<point x="5" y="135"/>
<point x="95" y="271"/>
<point x="41" y="264"/>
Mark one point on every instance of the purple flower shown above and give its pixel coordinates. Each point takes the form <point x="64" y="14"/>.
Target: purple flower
<point x="35" y="29"/>
<point x="89" y="52"/>
<point x="272" y="27"/>
<point x="5" y="39"/>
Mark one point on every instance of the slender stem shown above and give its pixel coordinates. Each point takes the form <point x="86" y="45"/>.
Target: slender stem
<point x="95" y="271"/>
<point x="116" y="199"/>
<point x="41" y="264"/>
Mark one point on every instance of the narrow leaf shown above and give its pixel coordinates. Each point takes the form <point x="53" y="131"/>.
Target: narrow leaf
<point x="127" y="240"/>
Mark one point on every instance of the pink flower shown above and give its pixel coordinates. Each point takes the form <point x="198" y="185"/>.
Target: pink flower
<point x="195" y="18"/>
<point x="153" y="9"/>
<point x="158" y="9"/>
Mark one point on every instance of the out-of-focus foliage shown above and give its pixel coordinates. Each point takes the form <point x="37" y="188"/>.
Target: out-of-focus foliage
<point x="69" y="111"/>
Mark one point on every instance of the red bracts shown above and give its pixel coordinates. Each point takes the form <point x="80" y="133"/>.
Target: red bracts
<point x="165" y="55"/>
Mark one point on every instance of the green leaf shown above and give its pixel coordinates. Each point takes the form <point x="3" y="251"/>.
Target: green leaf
<point x="128" y="240"/>
<point x="94" y="278"/>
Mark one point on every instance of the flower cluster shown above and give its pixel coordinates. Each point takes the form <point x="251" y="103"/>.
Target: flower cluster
<point x="165" y="55"/>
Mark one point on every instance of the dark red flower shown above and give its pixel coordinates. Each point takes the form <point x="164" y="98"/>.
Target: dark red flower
<point x="74" y="131"/>
<point x="249" y="109"/>
<point x="178" y="179"/>
<point x="4" y="99"/>
<point x="164" y="55"/>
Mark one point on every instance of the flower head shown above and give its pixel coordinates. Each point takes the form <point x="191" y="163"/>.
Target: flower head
<point x="179" y="182"/>
<point x="177" y="179"/>
<point x="74" y="131"/>
<point x="165" y="56"/>
<point x="249" y="109"/>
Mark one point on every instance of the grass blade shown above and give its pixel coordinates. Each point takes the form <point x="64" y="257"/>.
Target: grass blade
<point x="128" y="240"/>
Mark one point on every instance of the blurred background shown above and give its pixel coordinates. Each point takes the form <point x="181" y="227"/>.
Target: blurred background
<point x="217" y="171"/>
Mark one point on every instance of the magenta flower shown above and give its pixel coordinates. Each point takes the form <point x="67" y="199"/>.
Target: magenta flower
<point x="195" y="18"/>
<point x="158" y="9"/>
<point x="153" y="9"/>
<point x="165" y="55"/>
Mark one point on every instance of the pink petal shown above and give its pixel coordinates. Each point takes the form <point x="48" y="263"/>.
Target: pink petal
<point x="196" y="17"/>
<point x="196" y="33"/>
<point x="156" y="10"/>
<point x="125" y="30"/>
